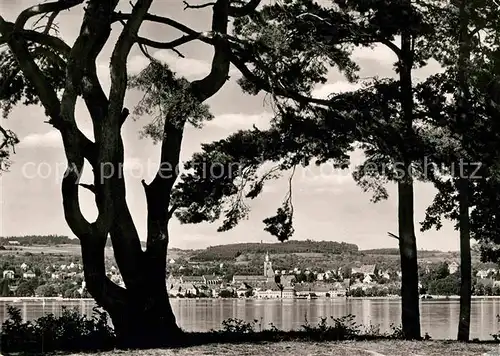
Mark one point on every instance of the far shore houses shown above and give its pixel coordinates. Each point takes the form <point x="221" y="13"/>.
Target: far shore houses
<point x="269" y="285"/>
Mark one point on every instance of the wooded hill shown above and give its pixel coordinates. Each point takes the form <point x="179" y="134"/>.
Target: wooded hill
<point x="232" y="251"/>
<point x="48" y="240"/>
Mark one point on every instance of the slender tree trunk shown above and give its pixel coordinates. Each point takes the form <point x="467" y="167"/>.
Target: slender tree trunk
<point x="463" y="180"/>
<point x="410" y="309"/>
<point x="465" y="262"/>
<point x="407" y="241"/>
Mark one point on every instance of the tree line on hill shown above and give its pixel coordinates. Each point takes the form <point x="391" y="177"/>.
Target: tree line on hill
<point x="45" y="240"/>
<point x="232" y="251"/>
<point x="395" y="252"/>
<point x="48" y="240"/>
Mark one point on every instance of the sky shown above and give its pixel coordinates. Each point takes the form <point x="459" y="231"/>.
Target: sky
<point x="328" y="204"/>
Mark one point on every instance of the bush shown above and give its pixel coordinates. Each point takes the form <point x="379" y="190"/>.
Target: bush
<point x="496" y="336"/>
<point x="233" y="325"/>
<point x="69" y="332"/>
<point x="344" y="328"/>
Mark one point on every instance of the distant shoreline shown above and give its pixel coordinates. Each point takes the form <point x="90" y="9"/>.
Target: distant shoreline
<point x="433" y="297"/>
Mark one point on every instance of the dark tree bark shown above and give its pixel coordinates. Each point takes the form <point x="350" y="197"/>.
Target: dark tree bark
<point x="410" y="309"/>
<point x="407" y="241"/>
<point x="465" y="261"/>
<point x="463" y="180"/>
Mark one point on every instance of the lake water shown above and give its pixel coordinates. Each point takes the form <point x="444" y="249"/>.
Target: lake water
<point x="439" y="318"/>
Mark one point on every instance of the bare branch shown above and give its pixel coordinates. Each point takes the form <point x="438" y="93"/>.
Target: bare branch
<point x="50" y="22"/>
<point x="145" y="52"/>
<point x="288" y="198"/>
<point x="200" y="6"/>
<point x="168" y="45"/>
<point x="393" y="236"/>
<point x="178" y="53"/>
<point x="44" y="39"/>
<point x="90" y="187"/>
<point x="160" y="19"/>
<point x="171" y="211"/>
<point x="55" y="6"/>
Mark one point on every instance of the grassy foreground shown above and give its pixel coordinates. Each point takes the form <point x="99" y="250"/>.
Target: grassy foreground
<point x="343" y="348"/>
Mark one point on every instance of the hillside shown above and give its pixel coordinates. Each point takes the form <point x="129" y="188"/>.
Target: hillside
<point x="48" y="240"/>
<point x="395" y="252"/>
<point x="232" y="251"/>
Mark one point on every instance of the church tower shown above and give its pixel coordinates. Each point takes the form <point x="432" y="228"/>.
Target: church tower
<point x="268" y="268"/>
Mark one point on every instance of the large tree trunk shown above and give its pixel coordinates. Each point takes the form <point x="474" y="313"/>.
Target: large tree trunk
<point x="141" y="316"/>
<point x="146" y="320"/>
<point x="410" y="309"/>
<point x="465" y="263"/>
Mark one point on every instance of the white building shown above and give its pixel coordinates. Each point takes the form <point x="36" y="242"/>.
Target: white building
<point x="29" y="274"/>
<point x="453" y="267"/>
<point x="8" y="274"/>
<point x="482" y="274"/>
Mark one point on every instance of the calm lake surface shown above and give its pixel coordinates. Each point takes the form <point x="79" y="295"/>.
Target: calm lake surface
<point x="439" y="318"/>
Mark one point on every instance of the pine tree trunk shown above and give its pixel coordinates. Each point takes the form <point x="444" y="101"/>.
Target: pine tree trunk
<point x="465" y="263"/>
<point x="407" y="240"/>
<point x="463" y="180"/>
<point x="410" y="313"/>
<point x="141" y="316"/>
<point x="147" y="321"/>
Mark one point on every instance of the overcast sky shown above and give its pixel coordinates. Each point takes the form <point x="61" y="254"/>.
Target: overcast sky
<point x="328" y="205"/>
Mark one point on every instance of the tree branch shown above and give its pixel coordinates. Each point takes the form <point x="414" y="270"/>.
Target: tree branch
<point x="211" y="84"/>
<point x="244" y="10"/>
<point x="393" y="236"/>
<point x="55" y="6"/>
<point x="90" y="187"/>
<point x="172" y="210"/>
<point x="279" y="91"/>
<point x="50" y="22"/>
<point x="200" y="6"/>
<point x="159" y="19"/>
<point x="167" y="45"/>
<point x="263" y="85"/>
<point x="19" y="48"/>
<point x="44" y="39"/>
<point x="119" y="57"/>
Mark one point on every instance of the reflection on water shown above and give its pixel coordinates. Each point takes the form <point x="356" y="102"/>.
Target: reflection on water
<point x="438" y="318"/>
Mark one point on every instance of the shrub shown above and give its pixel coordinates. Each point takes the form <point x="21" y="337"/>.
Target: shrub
<point x="496" y="336"/>
<point x="343" y="328"/>
<point x="69" y="332"/>
<point x="238" y="326"/>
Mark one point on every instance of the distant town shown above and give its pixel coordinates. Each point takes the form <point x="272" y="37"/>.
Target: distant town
<point x="293" y="270"/>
